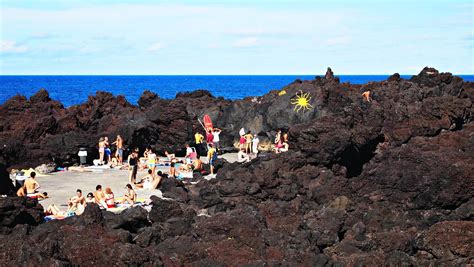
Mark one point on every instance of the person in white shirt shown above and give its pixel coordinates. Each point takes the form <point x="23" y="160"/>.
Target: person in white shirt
<point x="216" y="139"/>
<point x="255" y="142"/>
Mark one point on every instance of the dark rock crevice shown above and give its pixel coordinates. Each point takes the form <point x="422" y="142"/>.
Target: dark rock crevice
<point x="354" y="158"/>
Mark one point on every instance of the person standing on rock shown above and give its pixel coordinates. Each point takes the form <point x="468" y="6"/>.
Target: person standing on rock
<point x="199" y="138"/>
<point x="211" y="157"/>
<point x="133" y="166"/>
<point x="248" y="142"/>
<point x="119" y="153"/>
<point x="366" y="96"/>
<point x="255" y="142"/>
<point x="216" y="140"/>
<point x="101" y="150"/>
<point x="209" y="138"/>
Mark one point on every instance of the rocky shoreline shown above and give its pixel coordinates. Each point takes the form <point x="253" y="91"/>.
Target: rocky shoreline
<point x="386" y="182"/>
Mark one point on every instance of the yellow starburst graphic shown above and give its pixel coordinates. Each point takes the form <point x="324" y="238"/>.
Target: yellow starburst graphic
<point x="301" y="101"/>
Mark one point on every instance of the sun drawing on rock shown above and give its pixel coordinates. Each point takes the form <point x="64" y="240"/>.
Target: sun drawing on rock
<point x="301" y="101"/>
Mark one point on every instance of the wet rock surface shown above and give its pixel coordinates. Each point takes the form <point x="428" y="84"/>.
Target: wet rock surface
<point x="384" y="183"/>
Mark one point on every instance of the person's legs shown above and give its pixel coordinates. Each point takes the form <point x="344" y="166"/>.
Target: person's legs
<point x="153" y="169"/>
<point x="120" y="156"/>
<point x="134" y="176"/>
<point x="101" y="157"/>
<point x="130" y="175"/>
<point x="211" y="165"/>
<point x="156" y="182"/>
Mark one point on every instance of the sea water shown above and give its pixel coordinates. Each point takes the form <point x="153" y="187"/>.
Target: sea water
<point x="72" y="90"/>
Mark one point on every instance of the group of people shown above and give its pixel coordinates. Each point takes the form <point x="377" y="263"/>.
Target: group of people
<point x="178" y="168"/>
<point x="212" y="138"/>
<point x="281" y="142"/>
<point x="105" y="151"/>
<point x="29" y="188"/>
<point x="248" y="146"/>
<point x="104" y="198"/>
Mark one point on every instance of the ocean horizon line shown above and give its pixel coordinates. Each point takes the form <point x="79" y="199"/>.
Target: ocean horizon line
<point x="177" y="75"/>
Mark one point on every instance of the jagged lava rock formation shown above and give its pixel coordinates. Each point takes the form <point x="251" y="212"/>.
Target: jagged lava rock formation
<point x="384" y="183"/>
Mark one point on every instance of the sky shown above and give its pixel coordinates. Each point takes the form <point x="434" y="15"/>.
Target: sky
<point x="235" y="37"/>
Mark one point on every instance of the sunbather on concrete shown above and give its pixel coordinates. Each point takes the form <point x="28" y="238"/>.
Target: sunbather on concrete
<point x="76" y="202"/>
<point x="32" y="186"/>
<point x="130" y="196"/>
<point x="100" y="197"/>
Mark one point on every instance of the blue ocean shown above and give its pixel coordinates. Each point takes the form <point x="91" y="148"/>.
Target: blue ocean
<point x="72" y="90"/>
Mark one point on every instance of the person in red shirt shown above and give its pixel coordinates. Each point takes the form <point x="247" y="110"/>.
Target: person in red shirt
<point x="209" y="138"/>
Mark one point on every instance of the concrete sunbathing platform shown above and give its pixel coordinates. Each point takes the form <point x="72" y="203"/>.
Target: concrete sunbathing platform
<point x="63" y="185"/>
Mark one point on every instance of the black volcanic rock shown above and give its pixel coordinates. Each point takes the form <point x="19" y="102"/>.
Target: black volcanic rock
<point x="16" y="211"/>
<point x="6" y="184"/>
<point x="146" y="99"/>
<point x="369" y="184"/>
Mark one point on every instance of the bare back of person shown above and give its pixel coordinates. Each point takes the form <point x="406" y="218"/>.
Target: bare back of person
<point x="31" y="186"/>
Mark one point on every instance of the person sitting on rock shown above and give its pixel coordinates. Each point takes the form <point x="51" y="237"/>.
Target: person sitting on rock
<point x="278" y="141"/>
<point x="366" y="95"/>
<point x="130" y="196"/>
<point x="284" y="145"/>
<point x="242" y="156"/>
<point x="109" y="198"/>
<point x="76" y="202"/>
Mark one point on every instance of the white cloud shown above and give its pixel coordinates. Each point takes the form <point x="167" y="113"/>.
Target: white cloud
<point x="155" y="47"/>
<point x="41" y="35"/>
<point x="339" y="40"/>
<point x="246" y="42"/>
<point x="12" y="47"/>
